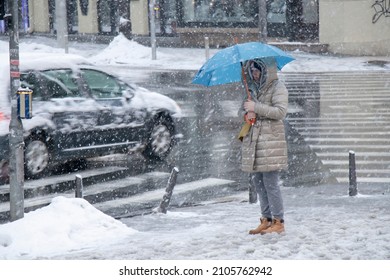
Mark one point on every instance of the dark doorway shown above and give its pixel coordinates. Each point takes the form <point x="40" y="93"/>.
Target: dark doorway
<point x="108" y="17"/>
<point x="72" y="16"/>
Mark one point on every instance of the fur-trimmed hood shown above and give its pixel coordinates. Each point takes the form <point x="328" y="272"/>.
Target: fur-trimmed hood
<point x="268" y="70"/>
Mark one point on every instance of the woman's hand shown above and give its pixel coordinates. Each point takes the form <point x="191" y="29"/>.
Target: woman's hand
<point x="251" y="115"/>
<point x="249" y="106"/>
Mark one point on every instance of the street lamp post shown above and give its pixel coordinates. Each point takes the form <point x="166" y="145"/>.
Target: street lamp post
<point x="61" y="24"/>
<point x="16" y="142"/>
<point x="263" y="33"/>
<point x="152" y="28"/>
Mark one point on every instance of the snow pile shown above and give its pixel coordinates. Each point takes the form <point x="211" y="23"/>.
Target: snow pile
<point x="63" y="226"/>
<point x="121" y="50"/>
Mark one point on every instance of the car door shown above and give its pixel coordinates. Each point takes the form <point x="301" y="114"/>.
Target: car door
<point x="121" y="123"/>
<point x="73" y="114"/>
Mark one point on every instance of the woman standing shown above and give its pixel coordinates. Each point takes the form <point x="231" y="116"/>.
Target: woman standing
<point x="264" y="147"/>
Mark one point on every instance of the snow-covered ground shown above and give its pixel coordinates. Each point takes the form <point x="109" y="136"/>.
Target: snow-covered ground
<point x="124" y="52"/>
<point x="322" y="222"/>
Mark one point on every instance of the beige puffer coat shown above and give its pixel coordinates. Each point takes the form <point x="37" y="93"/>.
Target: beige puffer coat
<point x="264" y="148"/>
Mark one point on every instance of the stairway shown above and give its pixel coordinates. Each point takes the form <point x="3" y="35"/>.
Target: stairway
<point x="336" y="113"/>
<point x="113" y="191"/>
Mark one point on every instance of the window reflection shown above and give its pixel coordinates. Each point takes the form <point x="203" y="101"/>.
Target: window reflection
<point x="310" y="11"/>
<point x="220" y="10"/>
<point x="277" y="11"/>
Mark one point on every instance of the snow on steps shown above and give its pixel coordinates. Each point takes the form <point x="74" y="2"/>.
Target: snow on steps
<point x="183" y="194"/>
<point x="126" y="196"/>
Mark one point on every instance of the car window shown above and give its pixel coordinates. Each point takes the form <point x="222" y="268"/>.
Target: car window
<point x="44" y="87"/>
<point x="101" y="84"/>
<point x="30" y="80"/>
<point x="64" y="78"/>
<point x="50" y="84"/>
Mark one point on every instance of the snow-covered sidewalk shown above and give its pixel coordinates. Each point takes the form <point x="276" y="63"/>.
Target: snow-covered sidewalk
<point x="322" y="223"/>
<point x="122" y="51"/>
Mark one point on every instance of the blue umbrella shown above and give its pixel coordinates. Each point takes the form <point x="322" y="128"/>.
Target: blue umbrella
<point x="226" y="65"/>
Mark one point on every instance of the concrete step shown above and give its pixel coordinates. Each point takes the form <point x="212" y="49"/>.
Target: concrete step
<point x="352" y="134"/>
<point x="66" y="182"/>
<point x="183" y="194"/>
<point x="379" y="130"/>
<point x="97" y="192"/>
<point x="344" y="141"/>
<point x="362" y="174"/>
<point x="366" y="118"/>
<point x="360" y="157"/>
<point x="334" y="113"/>
<point x="127" y="196"/>
<point x="371" y="180"/>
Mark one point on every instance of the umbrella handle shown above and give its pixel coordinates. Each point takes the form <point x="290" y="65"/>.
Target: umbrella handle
<point x="245" y="82"/>
<point x="250" y="121"/>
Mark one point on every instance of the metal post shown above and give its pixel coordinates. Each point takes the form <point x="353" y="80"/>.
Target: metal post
<point x="352" y="174"/>
<point x="168" y="191"/>
<point x="61" y="24"/>
<point x="152" y="28"/>
<point x="66" y="44"/>
<point x="16" y="141"/>
<point x="79" y="187"/>
<point x="263" y="33"/>
<point x="207" y="47"/>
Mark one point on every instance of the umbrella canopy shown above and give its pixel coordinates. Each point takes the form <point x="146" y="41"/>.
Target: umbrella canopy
<point x="225" y="66"/>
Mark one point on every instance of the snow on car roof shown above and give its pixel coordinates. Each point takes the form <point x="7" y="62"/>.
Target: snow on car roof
<point x="36" y="61"/>
<point x="42" y="61"/>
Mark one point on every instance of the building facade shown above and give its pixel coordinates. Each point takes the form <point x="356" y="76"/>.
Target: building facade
<point x="346" y="26"/>
<point x="356" y="27"/>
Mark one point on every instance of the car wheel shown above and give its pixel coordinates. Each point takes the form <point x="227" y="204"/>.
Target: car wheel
<point x="160" y="140"/>
<point x="36" y="158"/>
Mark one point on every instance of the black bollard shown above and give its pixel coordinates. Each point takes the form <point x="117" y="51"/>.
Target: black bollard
<point x="79" y="187"/>
<point x="168" y="191"/>
<point x="352" y="174"/>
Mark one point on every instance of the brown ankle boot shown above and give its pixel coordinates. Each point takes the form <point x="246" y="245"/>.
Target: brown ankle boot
<point x="264" y="224"/>
<point x="277" y="226"/>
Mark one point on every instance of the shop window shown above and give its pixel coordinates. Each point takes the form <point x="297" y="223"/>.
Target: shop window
<point x="166" y="17"/>
<point x="310" y="11"/>
<point x="220" y="12"/>
<point x="276" y="11"/>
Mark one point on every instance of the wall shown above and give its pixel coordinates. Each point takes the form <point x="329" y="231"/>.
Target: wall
<point x="39" y="16"/>
<point x="89" y="24"/>
<point x="347" y="27"/>
<point x="139" y="17"/>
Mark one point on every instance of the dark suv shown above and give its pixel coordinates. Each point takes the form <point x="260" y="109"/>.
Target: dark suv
<point x="81" y="112"/>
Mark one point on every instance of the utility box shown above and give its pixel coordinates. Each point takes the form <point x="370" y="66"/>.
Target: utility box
<point x="25" y="103"/>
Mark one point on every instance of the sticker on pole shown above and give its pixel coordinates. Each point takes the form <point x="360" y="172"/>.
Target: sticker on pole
<point x="24" y="103"/>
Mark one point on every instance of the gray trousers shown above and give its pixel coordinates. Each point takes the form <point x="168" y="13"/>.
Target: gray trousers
<point x="270" y="196"/>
